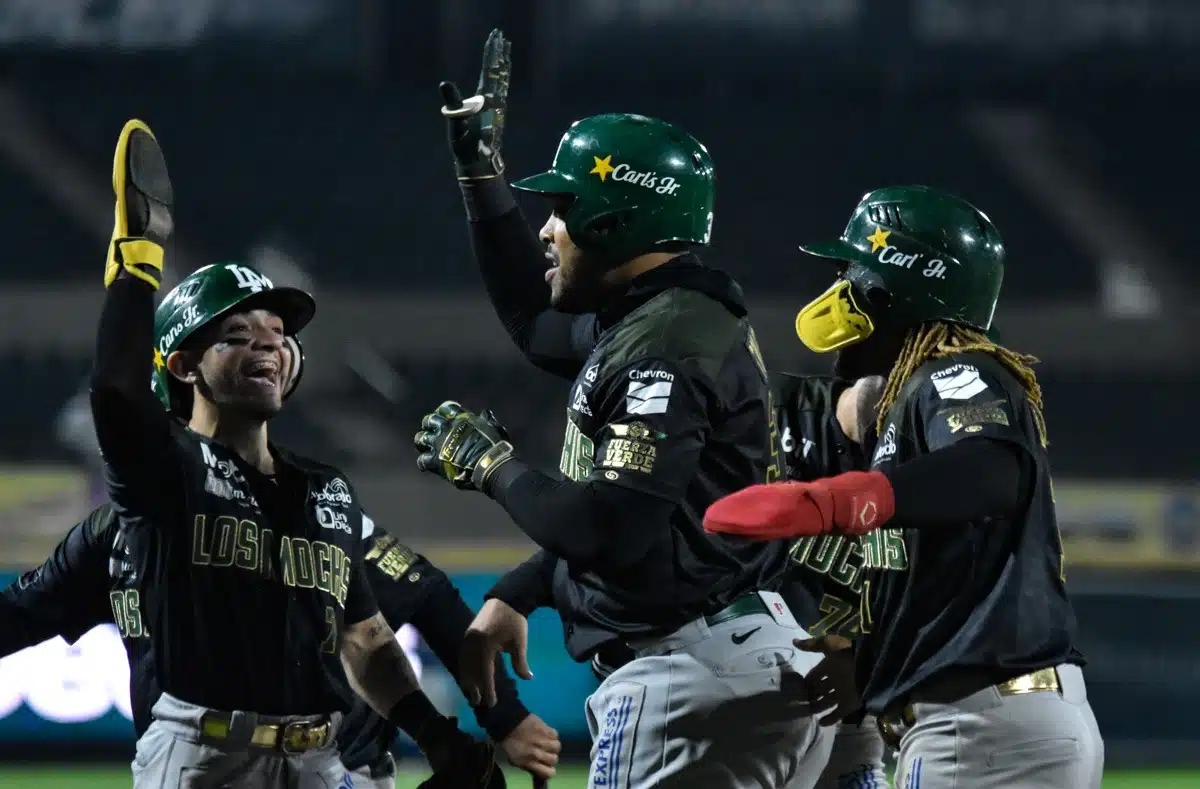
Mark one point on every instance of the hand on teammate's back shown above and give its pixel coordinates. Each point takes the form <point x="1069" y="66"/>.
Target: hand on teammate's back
<point x="533" y="746"/>
<point x="497" y="628"/>
<point x="831" y="682"/>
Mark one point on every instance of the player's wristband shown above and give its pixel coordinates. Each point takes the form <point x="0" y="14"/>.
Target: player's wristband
<point x="495" y="484"/>
<point x="500" y="720"/>
<point x="487" y="198"/>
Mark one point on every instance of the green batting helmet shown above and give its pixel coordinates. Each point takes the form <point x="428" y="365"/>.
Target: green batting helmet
<point x="209" y="294"/>
<point x="934" y="255"/>
<point x="637" y="183"/>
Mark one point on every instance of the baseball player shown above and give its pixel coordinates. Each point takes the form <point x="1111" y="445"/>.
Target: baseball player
<point x="824" y="422"/>
<point x="248" y="558"/>
<point x="89" y="580"/>
<point x="668" y="409"/>
<point x="967" y="654"/>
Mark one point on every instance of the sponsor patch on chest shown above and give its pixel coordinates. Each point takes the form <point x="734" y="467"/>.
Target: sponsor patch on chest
<point x="224" y="480"/>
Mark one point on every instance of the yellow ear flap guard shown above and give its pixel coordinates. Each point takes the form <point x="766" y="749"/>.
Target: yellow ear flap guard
<point x="833" y="320"/>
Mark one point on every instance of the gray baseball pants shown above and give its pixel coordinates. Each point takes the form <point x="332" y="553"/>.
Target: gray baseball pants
<point x="1042" y="740"/>
<point x="174" y="754"/>
<point x="855" y="760"/>
<point x="361" y="779"/>
<point x="721" y="707"/>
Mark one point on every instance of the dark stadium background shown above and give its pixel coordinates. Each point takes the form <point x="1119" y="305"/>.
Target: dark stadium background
<point x="304" y="138"/>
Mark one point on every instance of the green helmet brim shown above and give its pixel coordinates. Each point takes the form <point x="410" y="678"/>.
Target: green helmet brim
<point x="293" y="306"/>
<point x="834" y="250"/>
<point x="547" y="183"/>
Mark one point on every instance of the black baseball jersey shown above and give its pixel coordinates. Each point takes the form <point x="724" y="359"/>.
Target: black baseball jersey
<point x="245" y="581"/>
<point x="986" y="596"/>
<point x="672" y="401"/>
<point x="823" y="585"/>
<point x="88" y="581"/>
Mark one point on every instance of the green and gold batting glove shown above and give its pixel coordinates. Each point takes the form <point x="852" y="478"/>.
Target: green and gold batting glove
<point x="462" y="447"/>
<point x="476" y="124"/>
<point x="142" y="220"/>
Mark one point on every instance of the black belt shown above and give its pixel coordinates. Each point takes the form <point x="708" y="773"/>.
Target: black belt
<point x="294" y="737"/>
<point x="743" y="606"/>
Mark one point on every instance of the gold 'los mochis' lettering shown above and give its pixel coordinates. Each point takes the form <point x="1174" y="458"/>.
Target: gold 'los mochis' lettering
<point x="884" y="549"/>
<point x="127" y="613"/>
<point x="302" y="563"/>
<point x="835" y="556"/>
<point x="578" y="454"/>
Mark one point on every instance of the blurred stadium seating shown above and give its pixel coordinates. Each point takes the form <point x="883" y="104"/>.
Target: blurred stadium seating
<point x="306" y="132"/>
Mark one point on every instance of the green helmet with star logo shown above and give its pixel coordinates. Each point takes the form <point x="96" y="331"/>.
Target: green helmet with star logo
<point x="636" y="183"/>
<point x="917" y="252"/>
<point x="207" y="295"/>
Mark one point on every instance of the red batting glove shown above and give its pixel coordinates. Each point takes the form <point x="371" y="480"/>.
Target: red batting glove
<point x="769" y="512"/>
<point x="852" y="503"/>
<point x="862" y="501"/>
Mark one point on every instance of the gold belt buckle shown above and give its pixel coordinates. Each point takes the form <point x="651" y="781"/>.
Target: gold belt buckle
<point x="302" y="736"/>
<point x="1043" y="680"/>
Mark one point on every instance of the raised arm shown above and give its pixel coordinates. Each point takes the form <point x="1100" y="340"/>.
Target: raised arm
<point x="131" y="426"/>
<point x="511" y="260"/>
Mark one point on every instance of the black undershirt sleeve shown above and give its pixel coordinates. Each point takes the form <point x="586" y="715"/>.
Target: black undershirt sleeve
<point x="528" y="586"/>
<point x="969" y="481"/>
<point x="513" y="266"/>
<point x="132" y="427"/>
<point x="592" y="525"/>
<point x="442" y="618"/>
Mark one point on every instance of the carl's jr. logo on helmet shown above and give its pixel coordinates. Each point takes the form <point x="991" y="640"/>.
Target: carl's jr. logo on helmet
<point x="663" y="185"/>
<point x="892" y="256"/>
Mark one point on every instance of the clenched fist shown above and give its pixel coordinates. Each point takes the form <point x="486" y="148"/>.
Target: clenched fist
<point x="462" y="447"/>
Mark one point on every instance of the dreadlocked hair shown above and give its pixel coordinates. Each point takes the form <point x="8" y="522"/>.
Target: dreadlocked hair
<point x="937" y="340"/>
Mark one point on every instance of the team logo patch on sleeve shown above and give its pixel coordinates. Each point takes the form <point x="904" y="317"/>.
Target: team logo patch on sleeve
<point x="960" y="382"/>
<point x="631" y="446"/>
<point x="649" y="391"/>
<point x="972" y="418"/>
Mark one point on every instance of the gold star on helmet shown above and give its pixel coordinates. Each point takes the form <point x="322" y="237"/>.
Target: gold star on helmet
<point x="878" y="239"/>
<point x="603" y="167"/>
<point x="158" y="360"/>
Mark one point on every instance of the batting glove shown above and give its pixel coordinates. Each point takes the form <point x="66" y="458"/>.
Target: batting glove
<point x="462" y="447"/>
<point x="142" y="220"/>
<point x="852" y="503"/>
<point x="476" y="124"/>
